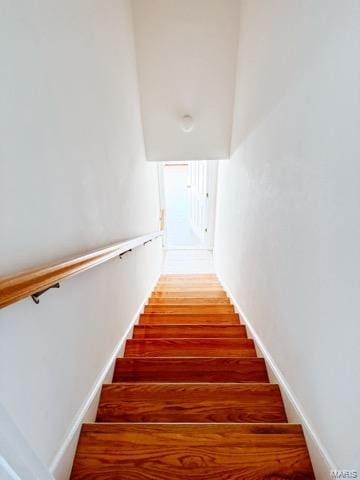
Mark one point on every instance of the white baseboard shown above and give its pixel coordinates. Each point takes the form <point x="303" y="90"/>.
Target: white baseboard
<point x="320" y="457"/>
<point x="61" y="465"/>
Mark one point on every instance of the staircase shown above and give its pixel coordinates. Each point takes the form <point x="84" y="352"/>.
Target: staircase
<point x="191" y="399"/>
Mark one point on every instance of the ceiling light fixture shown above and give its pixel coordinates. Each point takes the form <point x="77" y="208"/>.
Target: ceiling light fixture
<point x="187" y="123"/>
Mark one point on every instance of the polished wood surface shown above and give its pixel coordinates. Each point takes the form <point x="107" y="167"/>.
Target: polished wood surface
<point x="190" y="347"/>
<point x="191" y="399"/>
<point x="197" y="452"/>
<point x="180" y="369"/>
<point x="191" y="293"/>
<point x="195" y="403"/>
<point x="189" y="284"/>
<point x="211" y="309"/>
<point x="179" y="278"/>
<point x="189" y="331"/>
<point x="177" y="300"/>
<point x="189" y="319"/>
<point x="16" y="287"/>
<point x="188" y="276"/>
<point x="187" y="288"/>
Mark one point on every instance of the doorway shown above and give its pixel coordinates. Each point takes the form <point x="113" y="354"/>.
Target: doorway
<point x="188" y="197"/>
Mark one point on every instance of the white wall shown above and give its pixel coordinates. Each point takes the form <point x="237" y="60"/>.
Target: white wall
<point x="17" y="459"/>
<point x="288" y="230"/>
<point x="186" y="54"/>
<point x="73" y="177"/>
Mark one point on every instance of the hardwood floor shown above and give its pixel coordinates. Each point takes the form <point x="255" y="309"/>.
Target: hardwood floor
<point x="190" y="399"/>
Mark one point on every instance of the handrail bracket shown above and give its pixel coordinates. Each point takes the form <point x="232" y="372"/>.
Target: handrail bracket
<point x="123" y="253"/>
<point x="35" y="296"/>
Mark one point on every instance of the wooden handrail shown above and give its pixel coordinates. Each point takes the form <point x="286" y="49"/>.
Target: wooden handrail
<point x="16" y="287"/>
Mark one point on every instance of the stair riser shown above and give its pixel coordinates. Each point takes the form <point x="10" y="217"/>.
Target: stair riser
<point x="203" y="412"/>
<point x="188" y="301"/>
<point x="190" y="348"/>
<point x="201" y="285"/>
<point x="189" y="319"/>
<point x="190" y="294"/>
<point x="185" y="331"/>
<point x="188" y="288"/>
<point x="202" y="309"/>
<point x="190" y="279"/>
<point x="188" y="276"/>
<point x="176" y="370"/>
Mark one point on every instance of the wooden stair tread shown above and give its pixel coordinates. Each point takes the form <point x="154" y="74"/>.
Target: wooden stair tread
<point x="189" y="331"/>
<point x="180" y="284"/>
<point x="188" y="278"/>
<point x="179" y="402"/>
<point x="188" y="275"/>
<point x="195" y="276"/>
<point x="176" y="300"/>
<point x="183" y="369"/>
<point x="189" y="319"/>
<point x="191" y="293"/>
<point x="190" y="347"/>
<point x="187" y="451"/>
<point x="189" y="287"/>
<point x="177" y="281"/>
<point x="210" y="309"/>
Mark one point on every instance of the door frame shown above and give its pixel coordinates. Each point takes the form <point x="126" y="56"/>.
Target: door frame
<point x="212" y="181"/>
<point x="212" y="177"/>
<point x="162" y="214"/>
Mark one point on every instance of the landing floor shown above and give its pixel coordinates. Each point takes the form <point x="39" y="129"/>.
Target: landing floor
<point x="188" y="261"/>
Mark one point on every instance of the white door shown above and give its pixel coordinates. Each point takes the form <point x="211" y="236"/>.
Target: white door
<point x="198" y="191"/>
<point x="202" y="191"/>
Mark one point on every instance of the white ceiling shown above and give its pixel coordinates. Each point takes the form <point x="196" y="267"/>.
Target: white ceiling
<point x="186" y="54"/>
